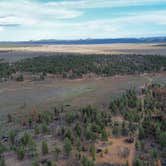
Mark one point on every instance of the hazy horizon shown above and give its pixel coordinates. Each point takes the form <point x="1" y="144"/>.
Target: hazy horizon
<point x="77" y="39"/>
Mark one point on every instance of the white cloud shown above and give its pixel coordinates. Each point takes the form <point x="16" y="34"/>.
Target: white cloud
<point x="146" y="18"/>
<point x="38" y="20"/>
<point x="154" y="17"/>
<point x="1" y="29"/>
<point x="11" y="20"/>
<point x="103" y="3"/>
<point x="134" y="25"/>
<point x="28" y="12"/>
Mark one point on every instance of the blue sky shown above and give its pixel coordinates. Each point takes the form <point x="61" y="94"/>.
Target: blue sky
<point x="75" y="19"/>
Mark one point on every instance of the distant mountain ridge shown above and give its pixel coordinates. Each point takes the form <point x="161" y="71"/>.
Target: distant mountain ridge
<point x="92" y="41"/>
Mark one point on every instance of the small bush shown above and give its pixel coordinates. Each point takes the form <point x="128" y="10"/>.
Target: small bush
<point x="2" y="161"/>
<point x="35" y="163"/>
<point x="70" y="116"/>
<point x="12" y="135"/>
<point x="67" y="146"/>
<point x="20" y="153"/>
<point x="86" y="162"/>
<point x="93" y="151"/>
<point x="37" y="130"/>
<point x="104" y="135"/>
<point x="2" y="149"/>
<point x="20" y="78"/>
<point x="44" y="148"/>
<point x="56" y="152"/>
<point x="26" y="138"/>
<point x="44" y="128"/>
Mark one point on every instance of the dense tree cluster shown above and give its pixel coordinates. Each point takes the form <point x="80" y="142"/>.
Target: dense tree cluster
<point x="128" y="105"/>
<point x="5" y="69"/>
<point x="74" y="66"/>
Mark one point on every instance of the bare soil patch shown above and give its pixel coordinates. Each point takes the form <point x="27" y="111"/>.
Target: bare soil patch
<point x="116" y="151"/>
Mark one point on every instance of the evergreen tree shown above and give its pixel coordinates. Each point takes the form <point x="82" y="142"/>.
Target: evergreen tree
<point x="12" y="135"/>
<point x="44" y="148"/>
<point x="56" y="153"/>
<point x="141" y="133"/>
<point x="104" y="135"/>
<point x="20" y="153"/>
<point x="93" y="151"/>
<point x="67" y="146"/>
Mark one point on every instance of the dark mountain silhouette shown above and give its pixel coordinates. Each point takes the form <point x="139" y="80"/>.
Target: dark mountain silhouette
<point x="92" y="41"/>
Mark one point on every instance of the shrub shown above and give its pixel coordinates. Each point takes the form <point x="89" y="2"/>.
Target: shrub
<point x="104" y="135"/>
<point x="116" y="129"/>
<point x="9" y="117"/>
<point x="20" y="153"/>
<point x="37" y="130"/>
<point x="78" y="129"/>
<point x="137" y="162"/>
<point x="154" y="153"/>
<point x="2" y="149"/>
<point x="56" y="152"/>
<point x="44" y="148"/>
<point x="70" y="116"/>
<point x="93" y="151"/>
<point x="20" y="78"/>
<point x="142" y="144"/>
<point x="35" y="163"/>
<point x="26" y="138"/>
<point x="126" y="164"/>
<point x="124" y="129"/>
<point x="2" y="161"/>
<point x="162" y="139"/>
<point x="86" y="162"/>
<point x="12" y="135"/>
<point x="67" y="146"/>
<point x="32" y="149"/>
<point x="141" y="133"/>
<point x="44" y="128"/>
<point x="90" y="135"/>
<point x="48" y="163"/>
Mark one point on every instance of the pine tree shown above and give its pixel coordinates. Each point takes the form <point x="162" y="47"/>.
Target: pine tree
<point x="12" y="135"/>
<point x="20" y="153"/>
<point x="67" y="146"/>
<point x="93" y="151"/>
<point x="104" y="135"/>
<point x="56" y="152"/>
<point x="44" y="148"/>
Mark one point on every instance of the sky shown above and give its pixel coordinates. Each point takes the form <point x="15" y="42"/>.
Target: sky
<point x="22" y="20"/>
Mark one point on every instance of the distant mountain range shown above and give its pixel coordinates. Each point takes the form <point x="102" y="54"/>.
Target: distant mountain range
<point x="91" y="41"/>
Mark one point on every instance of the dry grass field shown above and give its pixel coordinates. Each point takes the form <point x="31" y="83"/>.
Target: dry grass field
<point x="93" y="49"/>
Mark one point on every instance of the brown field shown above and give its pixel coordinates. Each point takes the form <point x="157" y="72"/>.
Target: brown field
<point x="93" y="49"/>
